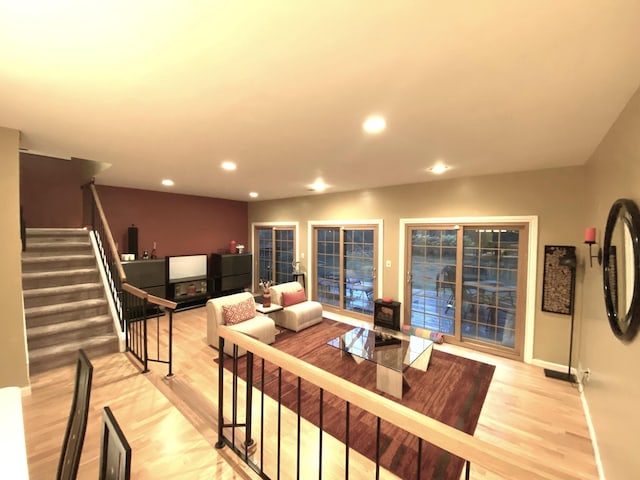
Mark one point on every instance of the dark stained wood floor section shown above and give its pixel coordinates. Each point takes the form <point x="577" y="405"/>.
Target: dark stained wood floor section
<point x="170" y="423"/>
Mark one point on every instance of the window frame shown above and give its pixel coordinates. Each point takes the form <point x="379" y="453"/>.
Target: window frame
<point x="273" y="226"/>
<point x="377" y="226"/>
<point x="527" y="270"/>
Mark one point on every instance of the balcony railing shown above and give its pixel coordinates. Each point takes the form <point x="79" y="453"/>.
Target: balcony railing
<point x="238" y="424"/>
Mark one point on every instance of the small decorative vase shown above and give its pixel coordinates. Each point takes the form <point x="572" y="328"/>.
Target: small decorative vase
<point x="266" y="299"/>
<point x="232" y="246"/>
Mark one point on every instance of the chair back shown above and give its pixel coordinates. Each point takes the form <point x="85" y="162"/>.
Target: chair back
<point x="77" y="423"/>
<point x="115" y="452"/>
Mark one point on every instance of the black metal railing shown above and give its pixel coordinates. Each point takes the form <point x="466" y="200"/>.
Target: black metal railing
<point x="236" y="429"/>
<point x="136" y="309"/>
<point x="94" y="218"/>
<point x="23" y="229"/>
<point x="144" y="315"/>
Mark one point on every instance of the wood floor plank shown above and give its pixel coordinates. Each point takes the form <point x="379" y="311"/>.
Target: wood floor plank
<point x="171" y="422"/>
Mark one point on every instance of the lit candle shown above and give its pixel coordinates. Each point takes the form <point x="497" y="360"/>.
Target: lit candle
<point x="590" y="235"/>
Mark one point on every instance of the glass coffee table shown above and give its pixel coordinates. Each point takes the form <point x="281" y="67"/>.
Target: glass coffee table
<point x="391" y="355"/>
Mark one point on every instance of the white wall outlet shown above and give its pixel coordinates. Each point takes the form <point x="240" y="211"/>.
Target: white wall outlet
<point x="302" y="256"/>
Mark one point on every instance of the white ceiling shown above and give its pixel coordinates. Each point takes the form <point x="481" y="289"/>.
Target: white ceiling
<point x="170" y="89"/>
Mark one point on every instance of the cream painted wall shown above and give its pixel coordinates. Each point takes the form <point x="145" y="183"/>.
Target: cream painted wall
<point x="555" y="196"/>
<point x="13" y="353"/>
<point x="613" y="392"/>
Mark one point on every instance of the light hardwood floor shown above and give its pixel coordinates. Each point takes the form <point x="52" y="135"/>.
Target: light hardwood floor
<point x="171" y="423"/>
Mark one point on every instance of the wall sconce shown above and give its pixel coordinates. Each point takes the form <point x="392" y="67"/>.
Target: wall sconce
<point x="590" y="239"/>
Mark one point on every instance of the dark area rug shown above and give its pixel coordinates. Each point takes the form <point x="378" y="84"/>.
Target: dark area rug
<point x="452" y="390"/>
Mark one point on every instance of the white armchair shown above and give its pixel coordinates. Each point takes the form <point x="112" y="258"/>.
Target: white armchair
<point x="259" y="326"/>
<point x="297" y="316"/>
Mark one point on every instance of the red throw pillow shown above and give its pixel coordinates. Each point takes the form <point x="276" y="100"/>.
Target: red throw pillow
<point x="291" y="298"/>
<point x="239" y="312"/>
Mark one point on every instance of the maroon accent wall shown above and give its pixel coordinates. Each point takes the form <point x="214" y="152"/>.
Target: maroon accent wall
<point x="179" y="224"/>
<point x="50" y="192"/>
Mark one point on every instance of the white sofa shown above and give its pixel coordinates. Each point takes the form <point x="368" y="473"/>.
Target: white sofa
<point x="259" y="327"/>
<point x="295" y="317"/>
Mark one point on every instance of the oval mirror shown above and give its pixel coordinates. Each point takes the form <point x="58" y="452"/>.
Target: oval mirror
<point x="621" y="277"/>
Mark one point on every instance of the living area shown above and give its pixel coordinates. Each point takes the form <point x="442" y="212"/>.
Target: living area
<point x="194" y="399"/>
<point x="434" y="154"/>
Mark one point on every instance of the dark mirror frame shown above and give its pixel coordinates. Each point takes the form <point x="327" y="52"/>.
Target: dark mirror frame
<point x="623" y="324"/>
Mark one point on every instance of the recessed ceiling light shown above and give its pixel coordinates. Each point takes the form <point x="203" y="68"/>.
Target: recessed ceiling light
<point x="439" y="168"/>
<point x="374" y="124"/>
<point x="167" y="182"/>
<point x="228" y="165"/>
<point x="253" y="194"/>
<point x="318" y="185"/>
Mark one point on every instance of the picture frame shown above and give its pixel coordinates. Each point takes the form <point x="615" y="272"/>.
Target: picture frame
<point x="558" y="285"/>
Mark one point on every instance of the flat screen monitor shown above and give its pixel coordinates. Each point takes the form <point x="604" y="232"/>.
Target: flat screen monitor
<point x="186" y="267"/>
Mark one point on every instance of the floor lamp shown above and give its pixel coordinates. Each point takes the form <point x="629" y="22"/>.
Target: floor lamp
<point x="569" y="261"/>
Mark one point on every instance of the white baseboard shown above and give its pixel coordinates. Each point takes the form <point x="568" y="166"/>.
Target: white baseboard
<point x="585" y="408"/>
<point x="592" y="434"/>
<point x="553" y="366"/>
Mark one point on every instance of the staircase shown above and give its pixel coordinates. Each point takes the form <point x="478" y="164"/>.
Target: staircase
<point x="64" y="299"/>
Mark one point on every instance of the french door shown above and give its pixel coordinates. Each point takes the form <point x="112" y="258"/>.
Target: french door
<point x="345" y="267"/>
<point x="468" y="282"/>
<point x="275" y="253"/>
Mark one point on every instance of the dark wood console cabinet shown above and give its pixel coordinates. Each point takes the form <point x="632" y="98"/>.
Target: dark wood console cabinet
<point x="230" y="273"/>
<point x="148" y="275"/>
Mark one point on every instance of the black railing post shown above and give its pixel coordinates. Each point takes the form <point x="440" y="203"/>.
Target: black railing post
<point x="170" y="343"/>
<point x="93" y="210"/>
<point x="377" y="448"/>
<point x="346" y="442"/>
<point x="320" y="421"/>
<point x="145" y="353"/>
<point x="23" y="229"/>
<point x="220" y="442"/>
<point x="249" y="400"/>
<point x="279" y="417"/>
<point x="234" y="396"/>
<point x="299" y="425"/>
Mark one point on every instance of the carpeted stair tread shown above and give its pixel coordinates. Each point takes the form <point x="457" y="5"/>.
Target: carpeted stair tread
<point x="61" y="354"/>
<point x="64" y="307"/>
<point x="43" y="249"/>
<point x="59" y="278"/>
<point x="59" y="273"/>
<point x="61" y="232"/>
<point x="48" y="291"/>
<point x="56" y="258"/>
<point x="76" y="243"/>
<point x="66" y="327"/>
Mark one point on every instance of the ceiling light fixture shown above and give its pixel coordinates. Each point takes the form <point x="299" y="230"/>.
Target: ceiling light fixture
<point x="253" y="194"/>
<point x="318" y="185"/>
<point x="439" y="168"/>
<point x="167" y="182"/>
<point x="374" y="124"/>
<point x="228" y="165"/>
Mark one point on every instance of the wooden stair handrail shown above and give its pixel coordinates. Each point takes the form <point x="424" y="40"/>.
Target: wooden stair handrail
<point x="499" y="460"/>
<point x="107" y="230"/>
<point x="162" y="302"/>
<point x="135" y="291"/>
<point x="139" y="293"/>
